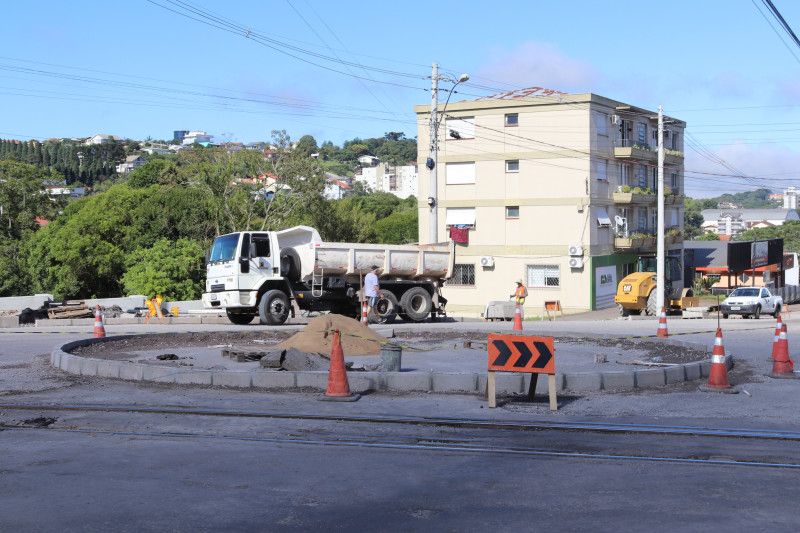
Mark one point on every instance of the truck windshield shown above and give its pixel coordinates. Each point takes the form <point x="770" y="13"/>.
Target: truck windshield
<point x="224" y="248"/>
<point x="746" y="292"/>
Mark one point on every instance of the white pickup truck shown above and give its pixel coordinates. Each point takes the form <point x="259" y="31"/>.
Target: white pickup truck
<point x="751" y="301"/>
<point x="269" y="274"/>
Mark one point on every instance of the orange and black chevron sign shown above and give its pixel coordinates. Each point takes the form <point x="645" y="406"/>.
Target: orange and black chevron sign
<point x="517" y="353"/>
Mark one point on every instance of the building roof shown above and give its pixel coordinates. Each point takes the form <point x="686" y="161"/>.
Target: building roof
<point x="132" y="158"/>
<point x="750" y="215"/>
<point x="522" y="93"/>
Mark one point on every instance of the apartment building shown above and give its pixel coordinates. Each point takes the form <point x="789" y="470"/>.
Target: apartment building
<point x="557" y="190"/>
<point x="400" y="180"/>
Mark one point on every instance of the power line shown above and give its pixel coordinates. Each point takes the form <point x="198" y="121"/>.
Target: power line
<point x="774" y="29"/>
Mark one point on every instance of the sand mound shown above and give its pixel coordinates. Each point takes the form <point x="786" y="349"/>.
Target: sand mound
<point x="317" y="337"/>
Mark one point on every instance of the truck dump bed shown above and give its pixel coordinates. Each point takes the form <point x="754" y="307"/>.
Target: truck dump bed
<point x="405" y="261"/>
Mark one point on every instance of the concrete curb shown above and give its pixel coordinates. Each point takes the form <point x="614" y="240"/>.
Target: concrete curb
<point x="438" y="382"/>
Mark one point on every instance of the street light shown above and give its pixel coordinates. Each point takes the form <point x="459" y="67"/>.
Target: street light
<point x="433" y="158"/>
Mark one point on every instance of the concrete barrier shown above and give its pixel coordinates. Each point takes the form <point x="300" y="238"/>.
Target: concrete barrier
<point x="21" y="302"/>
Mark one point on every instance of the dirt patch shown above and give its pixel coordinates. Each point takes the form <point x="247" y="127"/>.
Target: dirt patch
<point x="656" y="351"/>
<point x="317" y="337"/>
<point x="119" y="349"/>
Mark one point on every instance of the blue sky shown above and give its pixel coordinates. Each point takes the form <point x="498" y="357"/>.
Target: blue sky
<point x="135" y="69"/>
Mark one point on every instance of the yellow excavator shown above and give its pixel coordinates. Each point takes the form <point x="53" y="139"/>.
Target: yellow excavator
<point x="636" y="293"/>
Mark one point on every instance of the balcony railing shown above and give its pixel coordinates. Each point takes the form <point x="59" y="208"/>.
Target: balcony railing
<point x="636" y="149"/>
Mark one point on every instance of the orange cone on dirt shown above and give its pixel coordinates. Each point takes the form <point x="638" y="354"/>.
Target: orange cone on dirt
<point x="662" y="324"/>
<point x="338" y="387"/>
<point x="99" y="328"/>
<point x="718" y="375"/>
<point x="782" y="364"/>
<point x="517" y="318"/>
<point x="364" y="318"/>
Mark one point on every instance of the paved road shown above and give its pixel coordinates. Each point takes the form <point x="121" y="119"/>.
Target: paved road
<point x="92" y="471"/>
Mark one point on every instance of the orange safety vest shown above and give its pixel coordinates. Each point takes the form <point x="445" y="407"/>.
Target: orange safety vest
<point x="520" y="294"/>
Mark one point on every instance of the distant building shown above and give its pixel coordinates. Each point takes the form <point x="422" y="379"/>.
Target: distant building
<point x="56" y="192"/>
<point x="101" y="138"/>
<point x="401" y="180"/>
<point x="336" y="187"/>
<point x="232" y="147"/>
<point x="179" y="135"/>
<point x="131" y="162"/>
<point x="790" y="198"/>
<point x="731" y="222"/>
<point x="197" y="137"/>
<point x="368" y="160"/>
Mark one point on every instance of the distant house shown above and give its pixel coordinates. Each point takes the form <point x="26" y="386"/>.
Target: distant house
<point x="368" y="161"/>
<point x="731" y="222"/>
<point x="336" y="187"/>
<point x="78" y="192"/>
<point x="179" y="135"/>
<point x="131" y="162"/>
<point x="58" y="192"/>
<point x="233" y="147"/>
<point x="101" y="138"/>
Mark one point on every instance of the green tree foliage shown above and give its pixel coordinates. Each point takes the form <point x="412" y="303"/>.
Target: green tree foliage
<point x="174" y="269"/>
<point x="306" y="145"/>
<point x="400" y="227"/>
<point x="83" y="253"/>
<point x="155" y="171"/>
<point x="707" y="236"/>
<point x="789" y="231"/>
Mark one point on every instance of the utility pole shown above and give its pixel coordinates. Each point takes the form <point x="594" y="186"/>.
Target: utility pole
<point x="433" y="158"/>
<point x="660" y="206"/>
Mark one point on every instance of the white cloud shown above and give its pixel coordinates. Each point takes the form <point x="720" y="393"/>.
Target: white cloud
<point x="538" y="64"/>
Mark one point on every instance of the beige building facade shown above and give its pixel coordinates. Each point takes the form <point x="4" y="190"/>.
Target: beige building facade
<point x="559" y="191"/>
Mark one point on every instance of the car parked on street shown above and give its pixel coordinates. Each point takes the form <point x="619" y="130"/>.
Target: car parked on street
<point x="751" y="301"/>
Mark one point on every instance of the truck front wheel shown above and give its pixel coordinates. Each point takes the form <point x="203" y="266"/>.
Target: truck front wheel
<point x="416" y="303"/>
<point x="273" y="308"/>
<point x="240" y="319"/>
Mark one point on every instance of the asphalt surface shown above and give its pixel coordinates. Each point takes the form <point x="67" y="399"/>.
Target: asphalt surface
<point x="89" y="470"/>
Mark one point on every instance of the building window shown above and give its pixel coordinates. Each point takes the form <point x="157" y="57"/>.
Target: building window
<point x="512" y="165"/>
<point x="641" y="133"/>
<point x="512" y="119"/>
<point x="601" y="124"/>
<point x="512" y="211"/>
<point x="462" y="275"/>
<point x="601" y="169"/>
<point x="642" y="219"/>
<point x="544" y="276"/>
<point x="460" y="216"/>
<point x="641" y="176"/>
<point x="673" y="182"/>
<point x="625" y="174"/>
<point x="675" y="143"/>
<point x="461" y="128"/>
<point x="459" y="173"/>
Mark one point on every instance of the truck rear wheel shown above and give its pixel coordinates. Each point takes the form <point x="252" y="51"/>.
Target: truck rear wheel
<point x="240" y="319"/>
<point x="416" y="304"/>
<point x="273" y="308"/>
<point x="385" y="311"/>
<point x="651" y="310"/>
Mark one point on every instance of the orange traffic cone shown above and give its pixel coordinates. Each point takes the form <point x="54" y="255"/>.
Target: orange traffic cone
<point x="782" y="364"/>
<point x="364" y="318"/>
<point x="517" y="318"/>
<point x="778" y="327"/>
<point x="718" y="375"/>
<point x="662" y="324"/>
<point x="99" y="329"/>
<point x="338" y="387"/>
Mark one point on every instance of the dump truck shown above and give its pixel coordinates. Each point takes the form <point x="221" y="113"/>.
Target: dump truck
<point x="274" y="274"/>
<point x="636" y="292"/>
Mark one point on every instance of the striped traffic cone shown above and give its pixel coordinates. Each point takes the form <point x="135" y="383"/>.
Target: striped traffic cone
<point x="662" y="324"/>
<point x="517" y="318"/>
<point x="778" y="327"/>
<point x="338" y="388"/>
<point x="782" y="364"/>
<point x="364" y="318"/>
<point x="718" y="374"/>
<point x="99" y="328"/>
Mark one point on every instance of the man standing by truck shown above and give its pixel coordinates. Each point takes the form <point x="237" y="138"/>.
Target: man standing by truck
<point x="371" y="288"/>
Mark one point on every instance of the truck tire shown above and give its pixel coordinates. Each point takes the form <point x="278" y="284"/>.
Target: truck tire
<point x="651" y="310"/>
<point x="757" y="314"/>
<point x="416" y="304"/>
<point x="777" y="311"/>
<point x="623" y="312"/>
<point x="273" y="308"/>
<point x="385" y="311"/>
<point x="240" y="319"/>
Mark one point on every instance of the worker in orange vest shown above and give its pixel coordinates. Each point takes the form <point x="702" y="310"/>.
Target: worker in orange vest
<point x="520" y="293"/>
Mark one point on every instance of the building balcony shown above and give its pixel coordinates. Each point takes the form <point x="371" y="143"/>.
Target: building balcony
<point x="627" y="195"/>
<point x="635" y="242"/>
<point x="639" y="151"/>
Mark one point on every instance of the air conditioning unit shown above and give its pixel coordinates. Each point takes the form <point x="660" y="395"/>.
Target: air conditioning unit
<point x="616" y="120"/>
<point x="575" y="250"/>
<point x="576" y="262"/>
<point x="487" y="261"/>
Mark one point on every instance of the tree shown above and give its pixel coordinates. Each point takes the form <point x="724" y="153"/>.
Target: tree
<point x="401" y="227"/>
<point x="707" y="236"/>
<point x="306" y="145"/>
<point x="173" y="269"/>
<point x="155" y="171"/>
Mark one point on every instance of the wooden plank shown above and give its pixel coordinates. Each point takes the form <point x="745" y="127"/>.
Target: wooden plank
<point x="491" y="389"/>
<point x="551" y="391"/>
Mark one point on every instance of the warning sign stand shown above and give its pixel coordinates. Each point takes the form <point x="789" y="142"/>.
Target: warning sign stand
<point x="521" y="354"/>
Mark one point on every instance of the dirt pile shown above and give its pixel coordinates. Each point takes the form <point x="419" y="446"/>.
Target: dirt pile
<point x="317" y="337"/>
